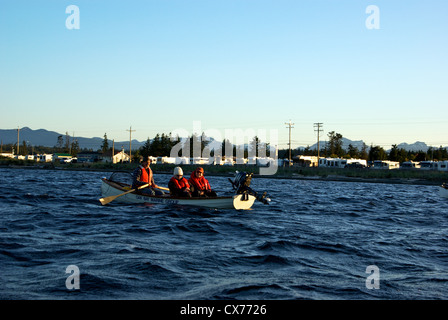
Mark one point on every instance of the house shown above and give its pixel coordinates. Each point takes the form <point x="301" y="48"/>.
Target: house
<point x="119" y="157"/>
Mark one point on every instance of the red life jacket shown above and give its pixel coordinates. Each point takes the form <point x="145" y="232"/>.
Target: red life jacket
<point x="200" y="183"/>
<point x="146" y="176"/>
<point x="179" y="184"/>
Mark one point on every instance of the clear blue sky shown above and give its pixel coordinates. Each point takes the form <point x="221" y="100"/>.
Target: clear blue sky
<point x="159" y="65"/>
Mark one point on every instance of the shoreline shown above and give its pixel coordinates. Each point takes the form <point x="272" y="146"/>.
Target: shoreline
<point x="410" y="177"/>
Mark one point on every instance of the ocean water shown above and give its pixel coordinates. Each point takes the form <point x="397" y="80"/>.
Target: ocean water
<point x="316" y="240"/>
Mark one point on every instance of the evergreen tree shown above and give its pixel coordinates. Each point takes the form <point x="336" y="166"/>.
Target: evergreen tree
<point x="145" y="149"/>
<point x="335" y="144"/>
<point x="67" y="142"/>
<point x="105" y="145"/>
<point x="352" y="151"/>
<point x="74" y="148"/>
<point x="377" y="153"/>
<point x="59" y="143"/>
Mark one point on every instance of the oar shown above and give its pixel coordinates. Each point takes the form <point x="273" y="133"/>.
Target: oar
<point x="112" y="198"/>
<point x="162" y="188"/>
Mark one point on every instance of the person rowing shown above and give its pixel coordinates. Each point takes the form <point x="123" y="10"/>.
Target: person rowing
<point x="143" y="175"/>
<point x="199" y="185"/>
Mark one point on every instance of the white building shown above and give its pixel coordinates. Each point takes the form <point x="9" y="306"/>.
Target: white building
<point x="442" y="166"/>
<point x="7" y="154"/>
<point x="339" y="163"/>
<point x="308" y="161"/>
<point x="165" y="160"/>
<point x="44" y="157"/>
<point x="199" y="160"/>
<point x="385" y="164"/>
<point x="182" y="160"/>
<point x="410" y="165"/>
<point x="429" y="165"/>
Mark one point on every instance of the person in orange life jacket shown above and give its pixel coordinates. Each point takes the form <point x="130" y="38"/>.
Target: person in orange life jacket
<point x="199" y="185"/>
<point x="178" y="185"/>
<point x="143" y="175"/>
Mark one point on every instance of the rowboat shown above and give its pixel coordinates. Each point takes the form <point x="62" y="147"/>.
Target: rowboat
<point x="443" y="190"/>
<point x="243" y="199"/>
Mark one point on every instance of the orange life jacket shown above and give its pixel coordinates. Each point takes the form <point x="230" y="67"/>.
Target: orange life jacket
<point x="146" y="176"/>
<point x="179" y="184"/>
<point x="200" y="183"/>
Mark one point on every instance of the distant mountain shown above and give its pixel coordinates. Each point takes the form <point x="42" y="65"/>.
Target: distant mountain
<point x="416" y="146"/>
<point x="345" y="143"/>
<point x="45" y="138"/>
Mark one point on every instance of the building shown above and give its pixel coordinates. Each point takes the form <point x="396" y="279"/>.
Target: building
<point x="7" y="154"/>
<point x="88" y="156"/>
<point x="307" y="161"/>
<point x="62" y="157"/>
<point x="119" y="157"/>
<point x="45" y="157"/>
<point x="385" y="164"/>
<point x="442" y="166"/>
<point x="340" y="163"/>
<point x="409" y="165"/>
<point x="429" y="165"/>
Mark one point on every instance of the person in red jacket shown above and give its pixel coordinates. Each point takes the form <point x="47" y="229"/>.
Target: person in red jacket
<point x="178" y="185"/>
<point x="199" y="185"/>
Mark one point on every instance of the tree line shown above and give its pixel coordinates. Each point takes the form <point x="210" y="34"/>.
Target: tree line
<point x="162" y="144"/>
<point x="333" y="149"/>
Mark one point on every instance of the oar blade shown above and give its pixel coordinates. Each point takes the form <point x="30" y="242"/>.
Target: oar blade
<point x="107" y="200"/>
<point x="112" y="198"/>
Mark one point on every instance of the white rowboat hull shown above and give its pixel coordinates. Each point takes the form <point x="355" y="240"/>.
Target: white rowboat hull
<point x="238" y="201"/>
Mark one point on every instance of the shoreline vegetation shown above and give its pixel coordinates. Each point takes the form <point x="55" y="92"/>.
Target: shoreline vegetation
<point x="394" y="176"/>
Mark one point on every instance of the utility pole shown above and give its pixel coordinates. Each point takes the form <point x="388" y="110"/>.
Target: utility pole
<point x="318" y="129"/>
<point x="113" y="150"/>
<point x="290" y="126"/>
<point x="18" y="129"/>
<point x="130" y="139"/>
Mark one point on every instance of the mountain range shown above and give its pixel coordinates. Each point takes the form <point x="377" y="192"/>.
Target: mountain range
<point x="42" y="137"/>
<point x="45" y="138"/>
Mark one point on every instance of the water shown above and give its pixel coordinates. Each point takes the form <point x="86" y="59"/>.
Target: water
<point x="314" y="241"/>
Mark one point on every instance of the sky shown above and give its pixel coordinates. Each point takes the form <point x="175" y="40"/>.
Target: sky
<point x="161" y="66"/>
